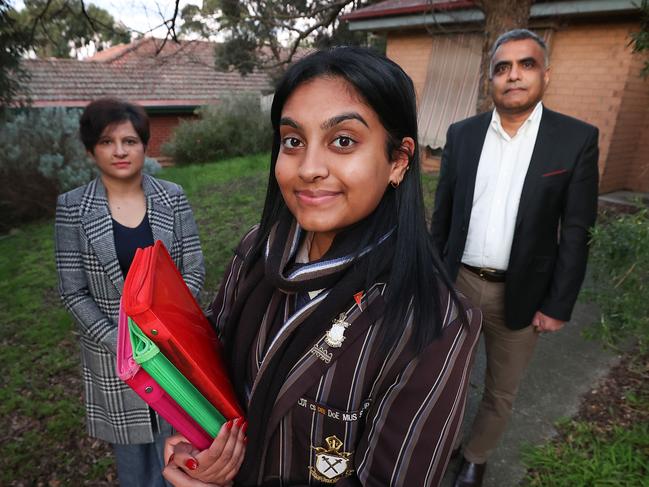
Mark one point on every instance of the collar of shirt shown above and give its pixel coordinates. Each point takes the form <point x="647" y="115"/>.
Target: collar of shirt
<point x="534" y="118"/>
<point x="302" y="257"/>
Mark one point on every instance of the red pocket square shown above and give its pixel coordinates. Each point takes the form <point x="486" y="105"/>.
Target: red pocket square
<point x="554" y="173"/>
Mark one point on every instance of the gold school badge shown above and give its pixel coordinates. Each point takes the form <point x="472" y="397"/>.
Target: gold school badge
<point x="331" y="464"/>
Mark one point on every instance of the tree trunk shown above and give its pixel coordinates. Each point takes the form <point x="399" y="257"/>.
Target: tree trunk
<point x="500" y="16"/>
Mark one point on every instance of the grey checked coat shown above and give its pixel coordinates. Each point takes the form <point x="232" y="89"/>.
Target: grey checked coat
<point x="91" y="282"/>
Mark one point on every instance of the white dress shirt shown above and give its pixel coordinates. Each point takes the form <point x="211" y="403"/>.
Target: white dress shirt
<point x="302" y="257"/>
<point x="499" y="181"/>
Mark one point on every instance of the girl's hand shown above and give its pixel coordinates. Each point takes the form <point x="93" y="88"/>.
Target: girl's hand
<point x="216" y="467"/>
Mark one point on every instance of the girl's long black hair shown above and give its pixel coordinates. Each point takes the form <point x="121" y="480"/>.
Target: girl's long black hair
<point x="416" y="270"/>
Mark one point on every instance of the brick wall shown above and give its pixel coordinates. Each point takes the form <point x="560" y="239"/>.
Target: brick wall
<point x="593" y="78"/>
<point x="411" y="51"/>
<point x="162" y="127"/>
<point x="627" y="136"/>
<point x="632" y="129"/>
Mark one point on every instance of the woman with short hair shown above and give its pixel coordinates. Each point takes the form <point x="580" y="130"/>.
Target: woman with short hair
<point x="98" y="228"/>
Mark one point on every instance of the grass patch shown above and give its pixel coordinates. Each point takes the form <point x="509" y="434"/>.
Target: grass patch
<point x="585" y="457"/>
<point x="43" y="439"/>
<point x="40" y="404"/>
<point x="227" y="199"/>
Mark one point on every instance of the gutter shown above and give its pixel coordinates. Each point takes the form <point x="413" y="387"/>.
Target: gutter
<point x="372" y="12"/>
<point x="474" y="15"/>
<point x="187" y="107"/>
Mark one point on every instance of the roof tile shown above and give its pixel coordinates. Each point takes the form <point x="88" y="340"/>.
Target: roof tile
<point x="180" y="75"/>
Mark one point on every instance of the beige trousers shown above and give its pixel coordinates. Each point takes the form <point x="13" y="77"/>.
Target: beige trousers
<point x="508" y="354"/>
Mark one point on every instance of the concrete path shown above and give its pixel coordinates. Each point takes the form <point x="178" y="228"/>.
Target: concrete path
<point x="565" y="366"/>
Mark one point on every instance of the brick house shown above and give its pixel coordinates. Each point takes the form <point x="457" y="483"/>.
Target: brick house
<point x="594" y="74"/>
<point x="169" y="80"/>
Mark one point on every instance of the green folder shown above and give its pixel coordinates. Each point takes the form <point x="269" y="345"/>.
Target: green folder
<point x="148" y="355"/>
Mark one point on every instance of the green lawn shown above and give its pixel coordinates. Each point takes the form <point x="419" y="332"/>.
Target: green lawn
<point x="42" y="439"/>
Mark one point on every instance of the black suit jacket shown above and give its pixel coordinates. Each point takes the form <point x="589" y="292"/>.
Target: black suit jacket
<point x="557" y="208"/>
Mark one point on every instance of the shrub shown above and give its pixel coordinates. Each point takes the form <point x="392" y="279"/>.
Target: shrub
<point x="619" y="262"/>
<point x="235" y="127"/>
<point x="41" y="157"/>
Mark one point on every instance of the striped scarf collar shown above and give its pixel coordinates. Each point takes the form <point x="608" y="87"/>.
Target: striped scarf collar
<point x="289" y="276"/>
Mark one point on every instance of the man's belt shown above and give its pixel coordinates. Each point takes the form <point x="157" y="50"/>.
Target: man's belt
<point x="487" y="274"/>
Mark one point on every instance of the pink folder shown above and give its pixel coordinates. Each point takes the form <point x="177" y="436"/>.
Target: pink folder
<point x="149" y="390"/>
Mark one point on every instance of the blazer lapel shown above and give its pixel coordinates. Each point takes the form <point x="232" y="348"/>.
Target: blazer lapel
<point x="159" y="210"/>
<point x="541" y="155"/>
<point x="469" y="170"/>
<point x="315" y="362"/>
<point x="284" y="333"/>
<point x="98" y="228"/>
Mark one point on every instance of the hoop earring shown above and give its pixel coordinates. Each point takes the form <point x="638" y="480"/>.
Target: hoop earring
<point x="394" y="185"/>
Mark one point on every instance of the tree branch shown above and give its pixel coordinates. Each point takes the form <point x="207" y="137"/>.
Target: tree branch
<point x="39" y="19"/>
<point x="305" y="33"/>
<point x="93" y="21"/>
<point x="171" y="29"/>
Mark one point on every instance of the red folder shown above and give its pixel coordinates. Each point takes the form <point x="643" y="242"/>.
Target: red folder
<point x="156" y="297"/>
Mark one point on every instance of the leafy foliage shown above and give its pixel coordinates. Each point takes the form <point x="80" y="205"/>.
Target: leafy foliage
<point x="61" y="27"/>
<point x="640" y="39"/>
<point x="15" y="42"/>
<point x="42" y="156"/>
<point x="619" y="261"/>
<point x="235" y="127"/>
<point x="267" y="33"/>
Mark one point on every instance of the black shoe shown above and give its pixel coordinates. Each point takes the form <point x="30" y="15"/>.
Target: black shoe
<point x="470" y="475"/>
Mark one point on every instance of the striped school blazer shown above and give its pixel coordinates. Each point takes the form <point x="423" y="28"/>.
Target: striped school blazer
<point x="91" y="283"/>
<point x="352" y="414"/>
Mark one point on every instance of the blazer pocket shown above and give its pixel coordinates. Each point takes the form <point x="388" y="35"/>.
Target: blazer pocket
<point x="555" y="173"/>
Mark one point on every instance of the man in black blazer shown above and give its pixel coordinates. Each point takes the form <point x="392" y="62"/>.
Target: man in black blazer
<point x="516" y="198"/>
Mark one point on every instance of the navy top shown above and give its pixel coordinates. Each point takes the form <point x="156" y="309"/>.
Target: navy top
<point x="128" y="240"/>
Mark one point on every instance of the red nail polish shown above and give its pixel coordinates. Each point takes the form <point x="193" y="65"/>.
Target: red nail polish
<point x="191" y="464"/>
<point x="244" y="427"/>
<point x="229" y="424"/>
